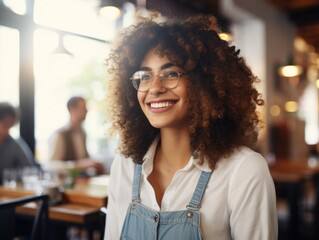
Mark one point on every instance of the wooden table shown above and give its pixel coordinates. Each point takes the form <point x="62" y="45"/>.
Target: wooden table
<point x="292" y="174"/>
<point x="288" y="170"/>
<point x="80" y="206"/>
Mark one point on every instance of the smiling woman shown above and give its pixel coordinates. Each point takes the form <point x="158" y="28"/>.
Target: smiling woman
<point x="184" y="104"/>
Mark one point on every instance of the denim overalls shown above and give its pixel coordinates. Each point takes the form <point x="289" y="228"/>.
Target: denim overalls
<point x="142" y="223"/>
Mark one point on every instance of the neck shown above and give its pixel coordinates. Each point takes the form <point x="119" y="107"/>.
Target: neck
<point x="75" y="124"/>
<point x="174" y="149"/>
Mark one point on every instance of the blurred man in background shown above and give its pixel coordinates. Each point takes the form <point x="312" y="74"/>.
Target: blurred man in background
<point x="14" y="156"/>
<point x="14" y="153"/>
<point x="69" y="142"/>
<point x="67" y="148"/>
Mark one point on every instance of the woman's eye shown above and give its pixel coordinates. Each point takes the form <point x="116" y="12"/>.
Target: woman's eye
<point x="172" y="74"/>
<point x="146" y="77"/>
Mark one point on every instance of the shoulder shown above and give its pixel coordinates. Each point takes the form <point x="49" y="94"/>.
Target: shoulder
<point x="244" y="156"/>
<point x="22" y="144"/>
<point x="247" y="158"/>
<point x="63" y="130"/>
<point x="249" y="170"/>
<point x="21" y="141"/>
<point x="58" y="134"/>
<point x="122" y="163"/>
<point x="18" y="149"/>
<point x="12" y="143"/>
<point x="243" y="165"/>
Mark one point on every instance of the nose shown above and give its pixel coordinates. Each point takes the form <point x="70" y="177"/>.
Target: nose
<point x="156" y="86"/>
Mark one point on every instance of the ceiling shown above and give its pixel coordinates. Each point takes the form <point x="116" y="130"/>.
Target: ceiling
<point x="304" y="14"/>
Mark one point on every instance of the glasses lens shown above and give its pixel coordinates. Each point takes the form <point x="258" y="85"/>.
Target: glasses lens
<point x="170" y="78"/>
<point x="141" y="80"/>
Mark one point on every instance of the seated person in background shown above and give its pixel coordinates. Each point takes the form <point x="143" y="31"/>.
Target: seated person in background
<point x="14" y="153"/>
<point x="69" y="142"/>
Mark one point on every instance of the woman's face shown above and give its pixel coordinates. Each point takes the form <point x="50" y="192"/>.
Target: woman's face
<point x="163" y="107"/>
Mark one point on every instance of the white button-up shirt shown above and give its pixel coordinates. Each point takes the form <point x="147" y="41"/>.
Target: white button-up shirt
<point x="239" y="202"/>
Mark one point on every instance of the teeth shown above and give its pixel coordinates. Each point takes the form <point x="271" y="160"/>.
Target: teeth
<point x="161" y="104"/>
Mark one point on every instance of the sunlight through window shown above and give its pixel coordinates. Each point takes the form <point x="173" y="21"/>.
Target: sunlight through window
<point x="57" y="79"/>
<point x="83" y="20"/>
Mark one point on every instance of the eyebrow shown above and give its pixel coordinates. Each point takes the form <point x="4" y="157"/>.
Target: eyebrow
<point x="166" y="65"/>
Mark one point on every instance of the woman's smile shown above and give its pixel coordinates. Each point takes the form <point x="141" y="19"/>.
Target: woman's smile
<point x="161" y="105"/>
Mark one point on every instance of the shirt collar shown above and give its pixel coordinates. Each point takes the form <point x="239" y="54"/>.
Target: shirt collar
<point x="150" y="154"/>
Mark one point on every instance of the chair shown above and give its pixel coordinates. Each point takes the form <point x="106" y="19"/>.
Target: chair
<point x="39" y="225"/>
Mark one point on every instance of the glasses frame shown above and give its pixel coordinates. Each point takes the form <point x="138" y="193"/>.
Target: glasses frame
<point x="161" y="78"/>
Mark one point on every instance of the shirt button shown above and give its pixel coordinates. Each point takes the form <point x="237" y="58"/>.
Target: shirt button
<point x="189" y="214"/>
<point x="156" y="218"/>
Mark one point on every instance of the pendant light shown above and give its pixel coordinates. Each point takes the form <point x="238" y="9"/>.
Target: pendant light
<point x="290" y="69"/>
<point x="110" y="9"/>
<point x="60" y="49"/>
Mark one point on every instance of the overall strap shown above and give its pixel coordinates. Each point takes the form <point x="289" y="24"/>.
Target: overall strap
<point x="199" y="191"/>
<point x="136" y="183"/>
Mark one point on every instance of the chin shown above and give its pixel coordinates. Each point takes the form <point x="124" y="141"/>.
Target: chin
<point x="157" y="124"/>
<point x="154" y="125"/>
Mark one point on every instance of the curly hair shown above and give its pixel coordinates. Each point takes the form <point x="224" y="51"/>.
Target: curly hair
<point x="222" y="96"/>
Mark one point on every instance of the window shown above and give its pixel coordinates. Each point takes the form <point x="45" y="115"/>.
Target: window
<point x="85" y="35"/>
<point x="59" y="77"/>
<point x="17" y="6"/>
<point x="77" y="16"/>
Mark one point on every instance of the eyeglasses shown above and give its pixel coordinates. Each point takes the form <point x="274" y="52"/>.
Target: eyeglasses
<point x="142" y="80"/>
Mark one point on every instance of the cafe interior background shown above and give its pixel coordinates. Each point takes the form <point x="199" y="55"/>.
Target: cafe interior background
<point x="53" y="49"/>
